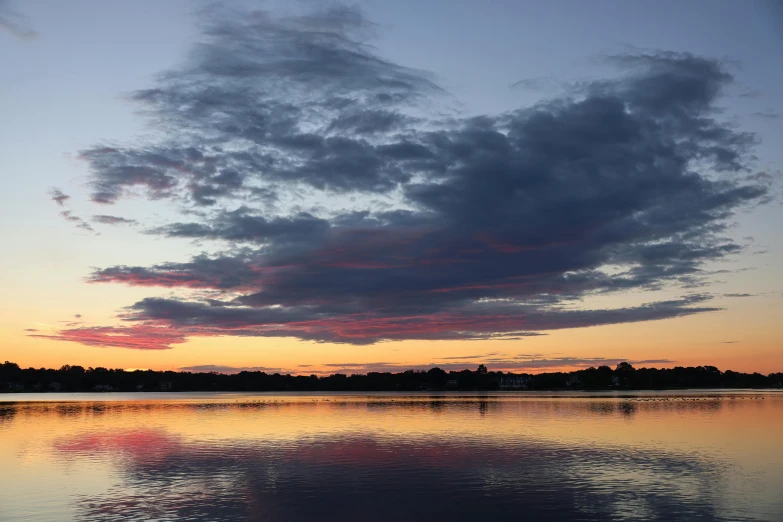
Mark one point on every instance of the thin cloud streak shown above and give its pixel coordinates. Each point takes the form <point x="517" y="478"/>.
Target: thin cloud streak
<point x="79" y="222"/>
<point x="508" y="365"/>
<point x="113" y="220"/>
<point x="217" y="368"/>
<point x="14" y="23"/>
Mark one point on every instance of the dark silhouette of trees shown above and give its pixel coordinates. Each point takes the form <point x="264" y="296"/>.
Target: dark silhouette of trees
<point x="623" y="377"/>
<point x="436" y="378"/>
<point x="595" y="378"/>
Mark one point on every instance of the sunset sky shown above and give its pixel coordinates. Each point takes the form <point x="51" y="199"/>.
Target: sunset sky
<point x="314" y="187"/>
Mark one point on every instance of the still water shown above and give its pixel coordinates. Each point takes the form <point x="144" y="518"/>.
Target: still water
<point x="390" y="457"/>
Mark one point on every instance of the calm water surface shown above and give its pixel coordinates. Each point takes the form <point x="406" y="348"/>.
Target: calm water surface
<point x="448" y="457"/>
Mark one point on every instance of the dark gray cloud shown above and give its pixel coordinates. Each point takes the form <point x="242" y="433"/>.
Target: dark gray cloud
<point x="232" y="272"/>
<point x="491" y="227"/>
<point x="15" y="23"/>
<point x="329" y="324"/>
<point x="242" y="225"/>
<point x="266" y="99"/>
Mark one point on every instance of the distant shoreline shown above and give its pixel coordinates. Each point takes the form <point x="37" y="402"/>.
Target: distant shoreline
<point x="624" y="377"/>
<point x="404" y="392"/>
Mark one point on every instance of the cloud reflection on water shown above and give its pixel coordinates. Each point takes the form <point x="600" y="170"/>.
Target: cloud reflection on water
<point x="369" y="476"/>
<point x="366" y="478"/>
<point x="707" y="456"/>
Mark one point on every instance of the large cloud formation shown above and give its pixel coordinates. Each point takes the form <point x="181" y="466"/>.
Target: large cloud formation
<point x="348" y="213"/>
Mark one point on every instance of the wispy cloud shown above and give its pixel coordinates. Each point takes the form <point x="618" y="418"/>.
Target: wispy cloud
<point x="15" y="23"/>
<point x="207" y="368"/>
<point x="512" y="364"/>
<point x="768" y="114"/>
<point x="466" y="357"/>
<point x="59" y="197"/>
<point x="139" y="337"/>
<point x="79" y="222"/>
<point x="113" y="220"/>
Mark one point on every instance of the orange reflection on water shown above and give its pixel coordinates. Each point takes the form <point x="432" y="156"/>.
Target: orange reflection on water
<point x="717" y="452"/>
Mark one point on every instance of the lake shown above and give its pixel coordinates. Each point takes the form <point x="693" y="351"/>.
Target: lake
<point x="706" y="455"/>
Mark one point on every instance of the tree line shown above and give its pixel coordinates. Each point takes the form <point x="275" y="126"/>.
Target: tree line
<point x="624" y="376"/>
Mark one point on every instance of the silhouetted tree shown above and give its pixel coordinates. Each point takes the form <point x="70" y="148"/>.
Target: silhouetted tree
<point x="625" y="374"/>
<point x="437" y="378"/>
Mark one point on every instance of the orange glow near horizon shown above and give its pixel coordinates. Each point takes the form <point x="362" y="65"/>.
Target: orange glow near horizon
<point x="746" y="337"/>
<point x="746" y="340"/>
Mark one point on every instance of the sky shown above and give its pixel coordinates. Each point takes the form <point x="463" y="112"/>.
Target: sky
<point x="312" y="187"/>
